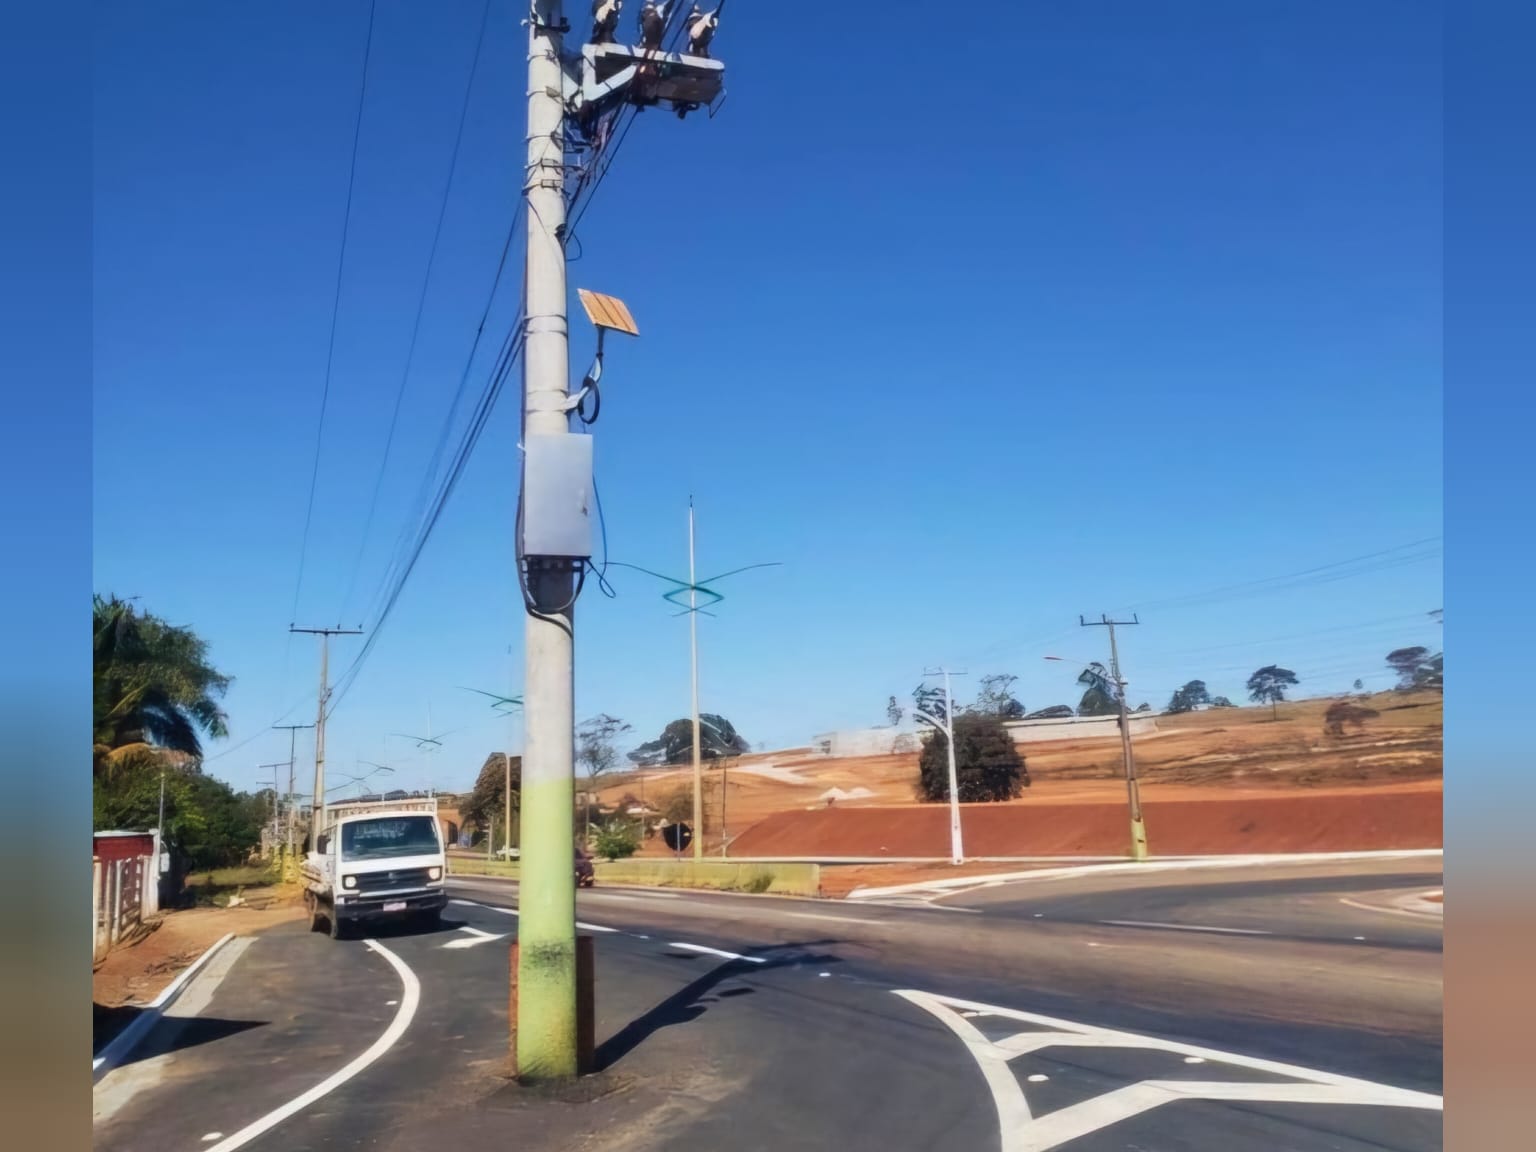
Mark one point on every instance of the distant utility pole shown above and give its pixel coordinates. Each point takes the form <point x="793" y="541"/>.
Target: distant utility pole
<point x="293" y="731"/>
<point x="1138" y="826"/>
<point x="277" y="807"/>
<point x="317" y="818"/>
<point x="946" y="725"/>
<point x="554" y="534"/>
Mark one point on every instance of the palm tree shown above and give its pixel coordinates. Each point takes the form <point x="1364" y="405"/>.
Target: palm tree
<point x="154" y="690"/>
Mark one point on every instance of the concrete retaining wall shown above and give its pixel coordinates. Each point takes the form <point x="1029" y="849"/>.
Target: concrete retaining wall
<point x="1078" y="728"/>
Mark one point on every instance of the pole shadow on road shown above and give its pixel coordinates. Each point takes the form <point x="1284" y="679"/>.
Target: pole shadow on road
<point x="692" y="1001"/>
<point x="176" y="1033"/>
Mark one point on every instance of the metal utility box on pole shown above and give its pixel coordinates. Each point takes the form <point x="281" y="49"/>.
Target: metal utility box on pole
<point x="1139" y="850"/>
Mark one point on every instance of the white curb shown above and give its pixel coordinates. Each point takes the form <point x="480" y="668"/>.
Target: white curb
<point x="959" y="882"/>
<point x="126" y="1040"/>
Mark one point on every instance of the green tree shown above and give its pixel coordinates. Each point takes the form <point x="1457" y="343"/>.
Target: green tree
<point x="1221" y="702"/>
<point x="1055" y="711"/>
<point x="1185" y="699"/>
<point x="987" y="762"/>
<point x="1344" y="712"/>
<point x="996" y="698"/>
<point x="616" y="840"/>
<point x="676" y="806"/>
<point x="894" y="712"/>
<point x="1268" y="685"/>
<point x="207" y="822"/>
<point x="153" y="688"/>
<point x="1417" y="668"/>
<point x="1102" y="697"/>
<point x="717" y="737"/>
<point x="488" y="800"/>
<point x="597" y="750"/>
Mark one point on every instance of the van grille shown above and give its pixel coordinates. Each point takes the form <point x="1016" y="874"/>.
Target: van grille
<point x="392" y="879"/>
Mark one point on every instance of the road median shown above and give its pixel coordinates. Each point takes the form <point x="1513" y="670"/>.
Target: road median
<point x="797" y="878"/>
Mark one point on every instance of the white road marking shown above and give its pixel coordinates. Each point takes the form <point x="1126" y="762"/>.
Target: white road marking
<point x="212" y="1136"/>
<point x="1104" y="867"/>
<point x="1393" y="910"/>
<point x="1039" y="1078"/>
<point x="717" y="952"/>
<point x="1194" y="1059"/>
<point x="410" y="998"/>
<point x="633" y="896"/>
<point x="1188" y="927"/>
<point x="1022" y="1131"/>
<point x="832" y="919"/>
<point x="474" y="937"/>
<point x="513" y="912"/>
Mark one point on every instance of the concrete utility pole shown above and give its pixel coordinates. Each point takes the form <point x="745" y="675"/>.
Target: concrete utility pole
<point x="693" y="642"/>
<point x="546" y="964"/>
<point x="556" y="498"/>
<point x="1133" y="791"/>
<point x="317" y="817"/>
<point x="293" y="731"/>
<point x="956" y="843"/>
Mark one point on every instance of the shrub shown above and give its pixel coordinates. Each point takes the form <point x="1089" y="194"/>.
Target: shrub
<point x="1342" y="713"/>
<point x="987" y="763"/>
<point x="616" y="840"/>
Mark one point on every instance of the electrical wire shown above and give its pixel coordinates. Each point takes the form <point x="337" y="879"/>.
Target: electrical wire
<point x="421" y="301"/>
<point x="330" y="355"/>
<point x="412" y="544"/>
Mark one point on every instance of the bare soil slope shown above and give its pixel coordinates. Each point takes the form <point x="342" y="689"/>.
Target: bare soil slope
<point x="1196" y="756"/>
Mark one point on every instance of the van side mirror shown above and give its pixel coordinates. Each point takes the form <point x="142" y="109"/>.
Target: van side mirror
<point x="322" y="843"/>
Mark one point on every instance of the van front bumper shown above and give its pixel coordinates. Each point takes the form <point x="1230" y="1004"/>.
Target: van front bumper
<point x="388" y="905"/>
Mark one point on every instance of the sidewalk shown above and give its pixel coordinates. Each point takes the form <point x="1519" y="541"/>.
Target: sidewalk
<point x="130" y="977"/>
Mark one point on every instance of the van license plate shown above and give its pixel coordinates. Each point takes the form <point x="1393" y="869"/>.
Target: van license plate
<point x="395" y="906"/>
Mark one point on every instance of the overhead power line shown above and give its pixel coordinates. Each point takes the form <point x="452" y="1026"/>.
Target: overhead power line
<point x="421" y="301"/>
<point x="330" y="354"/>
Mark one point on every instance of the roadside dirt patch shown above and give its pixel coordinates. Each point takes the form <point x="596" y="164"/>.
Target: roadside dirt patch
<point x="1254" y="822"/>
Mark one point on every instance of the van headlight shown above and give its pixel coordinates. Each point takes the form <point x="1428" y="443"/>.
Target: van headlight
<point x="349" y="881"/>
<point x="434" y="873"/>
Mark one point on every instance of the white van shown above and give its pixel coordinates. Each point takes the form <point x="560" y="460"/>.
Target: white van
<point x="376" y="866"/>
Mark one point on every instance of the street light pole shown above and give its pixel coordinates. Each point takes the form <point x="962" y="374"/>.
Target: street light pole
<point x="956" y="844"/>
<point x="693" y="642"/>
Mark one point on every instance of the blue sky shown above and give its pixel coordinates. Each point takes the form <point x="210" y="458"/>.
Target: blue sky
<point x="1143" y="308"/>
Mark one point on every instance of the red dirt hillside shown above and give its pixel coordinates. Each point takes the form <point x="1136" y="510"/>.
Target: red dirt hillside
<point x="1402" y="816"/>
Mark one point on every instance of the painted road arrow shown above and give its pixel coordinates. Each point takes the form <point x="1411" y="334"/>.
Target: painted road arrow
<point x="475" y="937"/>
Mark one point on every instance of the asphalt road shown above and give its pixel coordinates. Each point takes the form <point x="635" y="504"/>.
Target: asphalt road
<point x="1017" y="1017"/>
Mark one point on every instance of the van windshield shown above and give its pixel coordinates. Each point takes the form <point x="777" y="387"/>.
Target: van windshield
<point x="388" y="836"/>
